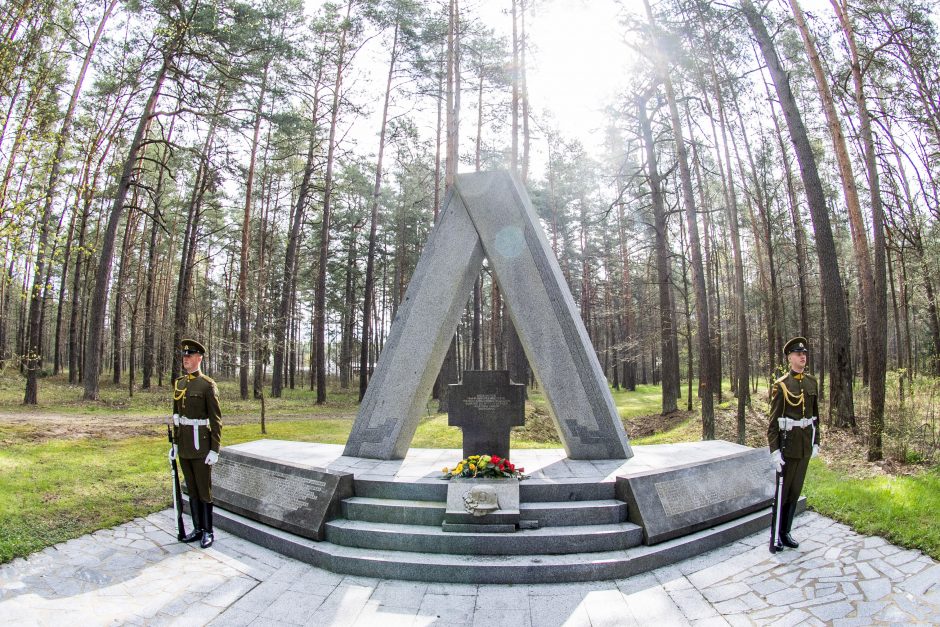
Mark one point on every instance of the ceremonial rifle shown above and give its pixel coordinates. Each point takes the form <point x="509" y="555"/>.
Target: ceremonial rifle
<point x="177" y="492"/>
<point x="777" y="510"/>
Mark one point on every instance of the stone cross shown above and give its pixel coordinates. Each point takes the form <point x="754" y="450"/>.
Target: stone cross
<point x="486" y="405"/>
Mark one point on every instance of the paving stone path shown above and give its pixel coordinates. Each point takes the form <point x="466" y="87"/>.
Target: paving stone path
<point x="138" y="574"/>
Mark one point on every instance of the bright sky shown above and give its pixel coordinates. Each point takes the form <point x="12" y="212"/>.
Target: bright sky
<point x="577" y="64"/>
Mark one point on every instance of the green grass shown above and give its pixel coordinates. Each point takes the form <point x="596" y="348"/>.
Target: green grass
<point x="646" y="400"/>
<point x="902" y="509"/>
<point x="60" y="489"/>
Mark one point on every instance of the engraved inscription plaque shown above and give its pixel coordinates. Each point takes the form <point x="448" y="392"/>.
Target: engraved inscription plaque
<point x="486" y="405"/>
<point x="682" y="500"/>
<point x="297" y="499"/>
<point x="679" y="496"/>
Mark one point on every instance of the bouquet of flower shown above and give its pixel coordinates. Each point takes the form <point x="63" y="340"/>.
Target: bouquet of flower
<point x="484" y="466"/>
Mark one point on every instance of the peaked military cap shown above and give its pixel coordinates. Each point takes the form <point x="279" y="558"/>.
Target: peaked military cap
<point x="796" y="345"/>
<point x="192" y="346"/>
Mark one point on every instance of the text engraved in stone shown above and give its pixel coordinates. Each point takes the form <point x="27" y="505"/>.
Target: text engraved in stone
<point x="679" y="496"/>
<point x="279" y="492"/>
<point x="486" y="402"/>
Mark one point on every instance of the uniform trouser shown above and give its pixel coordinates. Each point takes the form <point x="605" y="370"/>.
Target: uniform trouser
<point x="198" y="477"/>
<point x="794" y="473"/>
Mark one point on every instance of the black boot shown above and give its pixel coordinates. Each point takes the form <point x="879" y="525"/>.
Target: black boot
<point x="195" y="510"/>
<point x="207" y="536"/>
<point x="786" y="538"/>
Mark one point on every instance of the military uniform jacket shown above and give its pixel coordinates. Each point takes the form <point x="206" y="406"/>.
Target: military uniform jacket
<point x="196" y="397"/>
<point x="794" y="396"/>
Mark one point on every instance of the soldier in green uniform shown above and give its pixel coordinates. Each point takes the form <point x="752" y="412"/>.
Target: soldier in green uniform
<point x="197" y="436"/>
<point x="794" y="419"/>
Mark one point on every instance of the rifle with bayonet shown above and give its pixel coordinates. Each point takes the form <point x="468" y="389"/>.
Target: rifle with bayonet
<point x="177" y="492"/>
<point x="777" y="511"/>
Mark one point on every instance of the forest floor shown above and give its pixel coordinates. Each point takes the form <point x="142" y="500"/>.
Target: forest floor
<point x="62" y="415"/>
<point x="41" y="426"/>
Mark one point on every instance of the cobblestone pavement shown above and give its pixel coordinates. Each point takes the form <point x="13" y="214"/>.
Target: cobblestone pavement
<point x="138" y="574"/>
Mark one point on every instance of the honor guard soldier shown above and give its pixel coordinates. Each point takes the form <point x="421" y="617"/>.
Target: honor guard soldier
<point x="197" y="435"/>
<point x="793" y="432"/>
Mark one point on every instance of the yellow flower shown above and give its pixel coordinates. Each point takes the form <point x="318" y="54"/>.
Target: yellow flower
<point x="473" y="466"/>
<point x="445" y="470"/>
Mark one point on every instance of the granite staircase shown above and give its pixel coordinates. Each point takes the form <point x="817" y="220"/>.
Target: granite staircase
<point x="392" y="529"/>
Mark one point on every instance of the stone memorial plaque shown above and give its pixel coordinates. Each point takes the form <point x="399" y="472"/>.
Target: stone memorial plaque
<point x="682" y="500"/>
<point x="294" y="498"/>
<point x="482" y="505"/>
<point x="486" y="405"/>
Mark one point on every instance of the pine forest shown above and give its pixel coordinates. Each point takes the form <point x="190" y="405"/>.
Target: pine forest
<point x="262" y="175"/>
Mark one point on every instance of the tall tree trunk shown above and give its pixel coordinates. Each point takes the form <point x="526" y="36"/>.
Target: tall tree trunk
<point x="369" y="296"/>
<point x="872" y="306"/>
<point x="698" y="269"/>
<point x="742" y="359"/>
<point x="244" y="331"/>
<point x="99" y="299"/>
<point x="667" y="314"/>
<point x="627" y="324"/>
<point x="201" y="184"/>
<point x="117" y="319"/>
<point x="878" y="308"/>
<point x="63" y="281"/>
<point x="320" y="297"/>
<point x="841" y="406"/>
<point x="38" y="293"/>
<point x="349" y="311"/>
<point x="150" y="304"/>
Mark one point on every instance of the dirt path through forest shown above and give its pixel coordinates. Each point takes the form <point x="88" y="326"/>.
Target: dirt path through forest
<point x="51" y="426"/>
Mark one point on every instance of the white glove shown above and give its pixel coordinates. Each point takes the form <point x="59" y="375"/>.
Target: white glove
<point x="815" y="450"/>
<point x="776" y="460"/>
<point x="173" y="453"/>
<point x="212" y="458"/>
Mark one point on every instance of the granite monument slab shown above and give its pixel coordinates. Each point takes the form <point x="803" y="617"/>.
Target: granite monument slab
<point x="295" y="498"/>
<point x="685" y="499"/>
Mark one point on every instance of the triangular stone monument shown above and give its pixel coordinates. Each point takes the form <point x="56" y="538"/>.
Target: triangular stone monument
<point x="489" y="214"/>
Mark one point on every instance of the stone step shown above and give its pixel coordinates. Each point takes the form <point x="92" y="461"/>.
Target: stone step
<point x="548" y="514"/>
<point x="535" y="542"/>
<point x="574" y="489"/>
<point x="397" y="511"/>
<point x="575" y="513"/>
<point x="435" y="489"/>
<point x="422" y="490"/>
<point x="477" y="569"/>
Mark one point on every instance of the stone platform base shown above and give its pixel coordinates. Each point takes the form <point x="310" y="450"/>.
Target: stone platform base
<point x="596" y="519"/>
